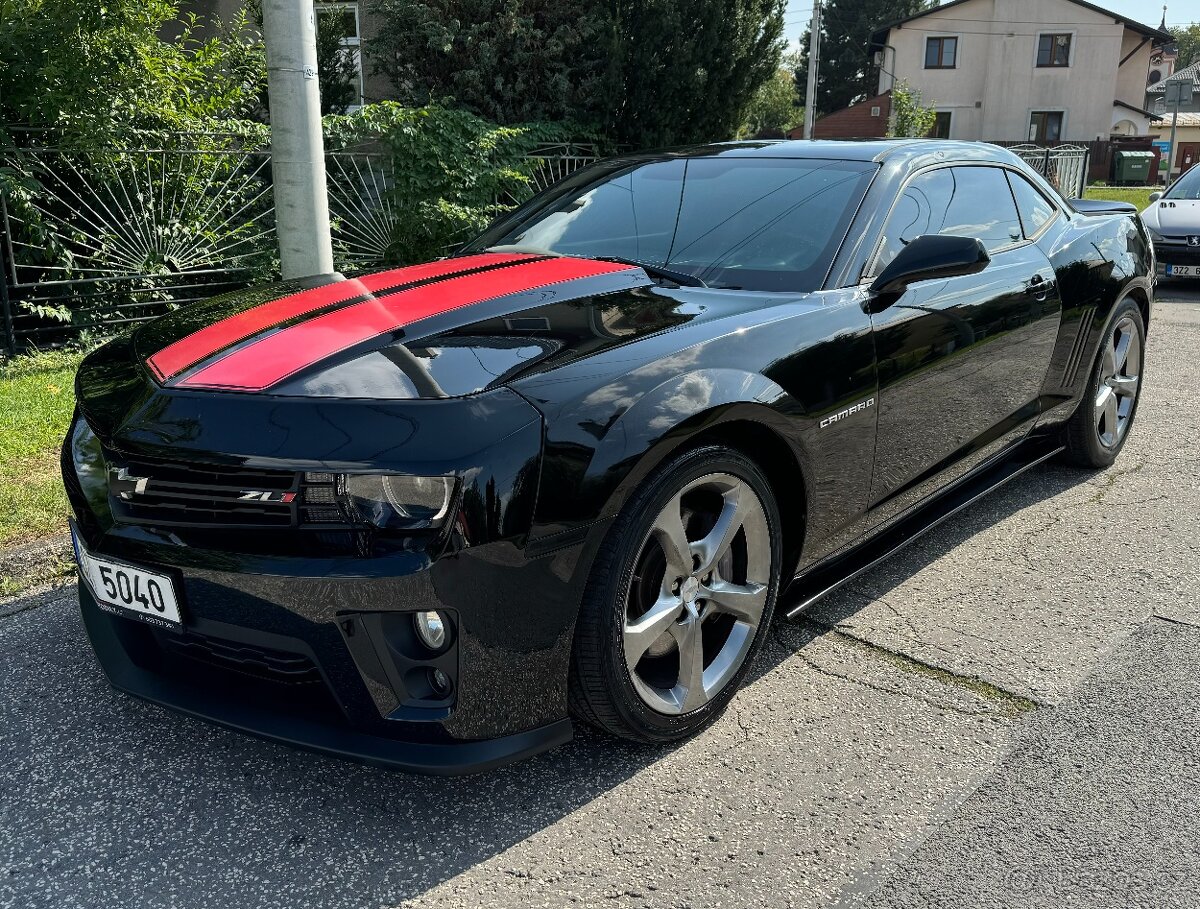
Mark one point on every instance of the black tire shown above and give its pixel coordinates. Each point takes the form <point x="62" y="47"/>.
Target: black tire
<point x="1086" y="445"/>
<point x="602" y="689"/>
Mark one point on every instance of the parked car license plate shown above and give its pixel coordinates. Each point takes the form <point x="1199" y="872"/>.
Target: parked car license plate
<point x="1183" y="271"/>
<point x="124" y="587"/>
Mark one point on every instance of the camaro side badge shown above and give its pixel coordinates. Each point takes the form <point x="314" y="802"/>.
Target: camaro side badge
<point x="842" y="414"/>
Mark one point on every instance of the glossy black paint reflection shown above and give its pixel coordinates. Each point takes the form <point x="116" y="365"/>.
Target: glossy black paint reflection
<point x="927" y="258"/>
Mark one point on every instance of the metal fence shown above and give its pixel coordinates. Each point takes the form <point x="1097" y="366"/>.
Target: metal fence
<point x="101" y="240"/>
<point x="1064" y="166"/>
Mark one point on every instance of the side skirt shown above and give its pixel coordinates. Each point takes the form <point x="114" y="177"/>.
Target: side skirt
<point x="826" y="577"/>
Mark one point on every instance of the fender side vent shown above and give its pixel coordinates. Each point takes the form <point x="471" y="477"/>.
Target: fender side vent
<point x="1072" y="370"/>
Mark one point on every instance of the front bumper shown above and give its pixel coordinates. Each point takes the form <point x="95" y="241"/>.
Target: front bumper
<point x="137" y="663"/>
<point x="306" y="644"/>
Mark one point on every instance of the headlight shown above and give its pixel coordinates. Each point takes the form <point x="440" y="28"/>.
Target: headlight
<point x="400" y="502"/>
<point x="1154" y="235"/>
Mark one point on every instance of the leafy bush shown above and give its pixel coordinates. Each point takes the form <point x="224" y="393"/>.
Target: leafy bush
<point x="454" y="171"/>
<point x="94" y="72"/>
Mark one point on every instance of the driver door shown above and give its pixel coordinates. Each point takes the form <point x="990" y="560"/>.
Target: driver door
<point x="961" y="360"/>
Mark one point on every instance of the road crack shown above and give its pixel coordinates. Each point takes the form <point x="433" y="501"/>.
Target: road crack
<point x="1009" y="703"/>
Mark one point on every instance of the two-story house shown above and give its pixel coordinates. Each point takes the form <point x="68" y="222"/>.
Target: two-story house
<point x="1039" y="71"/>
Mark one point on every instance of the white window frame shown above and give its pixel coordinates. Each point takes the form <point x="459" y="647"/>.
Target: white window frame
<point x="354" y="45"/>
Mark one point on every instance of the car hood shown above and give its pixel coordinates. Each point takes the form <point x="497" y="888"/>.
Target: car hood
<point x="355" y="349"/>
<point x="1173" y="217"/>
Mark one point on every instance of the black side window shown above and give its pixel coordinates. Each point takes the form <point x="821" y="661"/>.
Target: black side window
<point x="954" y="201"/>
<point x="1036" y="210"/>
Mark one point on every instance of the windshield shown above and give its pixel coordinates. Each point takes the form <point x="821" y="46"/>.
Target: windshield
<point x="1186" y="187"/>
<point x="770" y="224"/>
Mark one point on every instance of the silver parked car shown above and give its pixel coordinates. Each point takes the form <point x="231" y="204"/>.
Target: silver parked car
<point x="1173" y="220"/>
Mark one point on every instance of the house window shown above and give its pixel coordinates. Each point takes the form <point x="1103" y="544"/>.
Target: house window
<point x="1045" y="126"/>
<point x="1054" y="50"/>
<point x="941" y="53"/>
<point x="941" y="125"/>
<point x="343" y="20"/>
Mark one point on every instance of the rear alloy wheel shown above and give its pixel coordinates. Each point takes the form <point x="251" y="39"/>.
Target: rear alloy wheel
<point x="1097" y="432"/>
<point x="680" y="598"/>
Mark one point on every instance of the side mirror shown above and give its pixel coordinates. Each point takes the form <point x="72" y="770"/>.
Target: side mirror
<point x="928" y="258"/>
<point x="1154" y="197"/>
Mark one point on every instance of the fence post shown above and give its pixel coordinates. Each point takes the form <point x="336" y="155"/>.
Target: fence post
<point x="1087" y="164"/>
<point x="10" y="338"/>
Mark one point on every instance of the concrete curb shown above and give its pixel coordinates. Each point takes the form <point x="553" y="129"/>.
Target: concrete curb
<point x="29" y="557"/>
<point x="33" y="565"/>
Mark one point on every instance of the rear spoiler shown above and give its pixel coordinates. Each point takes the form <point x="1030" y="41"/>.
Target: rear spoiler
<point x="1102" y="207"/>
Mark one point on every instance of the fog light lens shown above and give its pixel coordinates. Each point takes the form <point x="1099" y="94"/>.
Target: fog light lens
<point x="431" y="629"/>
<point x="439" y="682"/>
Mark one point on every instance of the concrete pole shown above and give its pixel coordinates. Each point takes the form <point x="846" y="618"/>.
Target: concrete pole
<point x="814" y="63"/>
<point x="297" y="147"/>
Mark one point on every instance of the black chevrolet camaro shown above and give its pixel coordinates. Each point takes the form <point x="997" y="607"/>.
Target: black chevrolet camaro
<point x="426" y="517"/>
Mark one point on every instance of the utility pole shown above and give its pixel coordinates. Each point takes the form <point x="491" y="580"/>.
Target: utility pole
<point x="814" y="62"/>
<point x="297" y="146"/>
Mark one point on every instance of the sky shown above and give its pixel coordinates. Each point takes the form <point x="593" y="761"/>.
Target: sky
<point x="1148" y="12"/>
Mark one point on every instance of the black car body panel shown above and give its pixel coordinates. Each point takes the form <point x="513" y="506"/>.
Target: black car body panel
<point x="547" y="405"/>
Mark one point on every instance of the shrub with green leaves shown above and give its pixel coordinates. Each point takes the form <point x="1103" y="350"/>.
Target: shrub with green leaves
<point x="454" y="171"/>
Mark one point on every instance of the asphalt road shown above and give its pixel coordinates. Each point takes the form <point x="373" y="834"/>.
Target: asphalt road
<point x="992" y="715"/>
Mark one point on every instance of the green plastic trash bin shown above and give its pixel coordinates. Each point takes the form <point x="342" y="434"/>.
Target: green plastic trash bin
<point x="1132" y="167"/>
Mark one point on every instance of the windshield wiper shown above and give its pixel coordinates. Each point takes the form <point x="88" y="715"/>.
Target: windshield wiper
<point x="657" y="271"/>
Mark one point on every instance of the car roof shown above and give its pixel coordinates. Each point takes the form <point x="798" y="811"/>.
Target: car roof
<point x="873" y="150"/>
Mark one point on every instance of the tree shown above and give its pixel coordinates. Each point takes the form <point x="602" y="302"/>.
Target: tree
<point x="847" y="73"/>
<point x="641" y="72"/>
<point x="95" y="71"/>
<point x="689" y="68"/>
<point x="510" y="61"/>
<point x="775" y="107"/>
<point x="910" y="118"/>
<point x="1187" y="39"/>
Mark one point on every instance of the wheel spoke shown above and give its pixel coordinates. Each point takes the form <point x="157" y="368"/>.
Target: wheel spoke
<point x="1125" y="386"/>
<point x="1103" y="396"/>
<point x="690" y="637"/>
<point x="668" y="531"/>
<point x="642" y="632"/>
<point x="1121" y="352"/>
<point x="743" y="601"/>
<point x="718" y="540"/>
<point x="1111" y="415"/>
<point x="1108" y="366"/>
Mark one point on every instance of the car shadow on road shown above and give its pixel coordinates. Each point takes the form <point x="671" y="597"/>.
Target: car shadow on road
<point x="142" y="797"/>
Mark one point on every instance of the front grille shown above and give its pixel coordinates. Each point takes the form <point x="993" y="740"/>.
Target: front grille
<point x="171" y="494"/>
<point x="1177" y="254"/>
<point x="249" y="659"/>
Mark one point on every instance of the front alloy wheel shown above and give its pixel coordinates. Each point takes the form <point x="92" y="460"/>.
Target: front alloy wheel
<point x="698" y="594"/>
<point x="680" y="596"/>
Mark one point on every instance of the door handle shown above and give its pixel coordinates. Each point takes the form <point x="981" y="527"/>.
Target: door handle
<point x="1040" y="287"/>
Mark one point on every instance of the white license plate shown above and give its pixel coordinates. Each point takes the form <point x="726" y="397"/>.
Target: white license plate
<point x="123" y="587"/>
<point x="1183" y="271"/>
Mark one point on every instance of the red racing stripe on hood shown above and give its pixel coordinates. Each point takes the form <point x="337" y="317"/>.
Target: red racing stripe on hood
<point x="276" y="356"/>
<point x="199" y="345"/>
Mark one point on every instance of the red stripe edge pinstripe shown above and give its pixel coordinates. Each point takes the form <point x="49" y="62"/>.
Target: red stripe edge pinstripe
<point x="191" y="349"/>
<point x="274" y="357"/>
